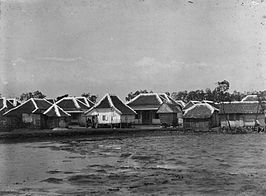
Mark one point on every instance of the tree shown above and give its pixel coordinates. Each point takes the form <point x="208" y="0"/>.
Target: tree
<point x="222" y="95"/>
<point x="28" y="95"/>
<point x="181" y="95"/>
<point x="90" y="96"/>
<point x="131" y="95"/>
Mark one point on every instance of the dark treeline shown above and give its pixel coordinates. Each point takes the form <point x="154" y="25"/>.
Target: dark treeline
<point x="218" y="94"/>
<point x="208" y="94"/>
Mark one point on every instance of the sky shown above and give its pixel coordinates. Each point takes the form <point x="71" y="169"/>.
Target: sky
<point x="118" y="46"/>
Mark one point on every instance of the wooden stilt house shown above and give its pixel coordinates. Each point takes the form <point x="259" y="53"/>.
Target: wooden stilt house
<point x="111" y="111"/>
<point x="75" y="108"/>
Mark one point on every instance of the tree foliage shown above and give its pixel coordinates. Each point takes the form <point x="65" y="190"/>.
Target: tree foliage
<point x="218" y="94"/>
<point x="28" y="95"/>
<point x="131" y="95"/>
<point x="90" y="96"/>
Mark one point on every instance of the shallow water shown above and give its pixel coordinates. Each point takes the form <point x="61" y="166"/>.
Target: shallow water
<point x="202" y="164"/>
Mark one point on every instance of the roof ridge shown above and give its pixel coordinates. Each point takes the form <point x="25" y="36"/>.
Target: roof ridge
<point x="124" y="104"/>
<point x="97" y="104"/>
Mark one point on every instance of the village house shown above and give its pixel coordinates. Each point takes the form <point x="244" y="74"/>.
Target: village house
<point x="201" y="117"/>
<point x="56" y="117"/>
<point x="75" y="108"/>
<point x="111" y="111"/>
<point x="242" y="114"/>
<point x="146" y="105"/>
<point x="29" y="114"/>
<point x="170" y="114"/>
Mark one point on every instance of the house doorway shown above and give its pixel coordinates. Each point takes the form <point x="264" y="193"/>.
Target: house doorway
<point x="146" y="117"/>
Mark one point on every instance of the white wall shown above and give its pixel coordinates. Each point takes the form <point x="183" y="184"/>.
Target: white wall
<point x="109" y="115"/>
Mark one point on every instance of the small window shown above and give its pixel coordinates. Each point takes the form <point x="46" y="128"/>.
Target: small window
<point x="104" y="117"/>
<point x="156" y="115"/>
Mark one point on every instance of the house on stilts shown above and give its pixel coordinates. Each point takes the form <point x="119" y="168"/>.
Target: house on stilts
<point x="111" y="111"/>
<point x="75" y="108"/>
<point x="146" y="105"/>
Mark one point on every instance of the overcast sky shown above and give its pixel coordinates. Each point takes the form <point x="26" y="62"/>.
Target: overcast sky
<point x="118" y="46"/>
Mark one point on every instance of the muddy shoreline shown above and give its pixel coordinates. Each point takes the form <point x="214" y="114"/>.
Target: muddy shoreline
<point x="25" y="135"/>
<point x="44" y="135"/>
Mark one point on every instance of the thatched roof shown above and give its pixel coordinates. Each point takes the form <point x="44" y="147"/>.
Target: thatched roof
<point x="71" y="104"/>
<point x="200" y="110"/>
<point x="240" y="108"/>
<point x="86" y="101"/>
<point x="169" y="108"/>
<point x="113" y="101"/>
<point x="56" y="111"/>
<point x="33" y="105"/>
<point x="150" y="101"/>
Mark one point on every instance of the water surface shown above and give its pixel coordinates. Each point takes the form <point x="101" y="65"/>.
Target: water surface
<point x="201" y="164"/>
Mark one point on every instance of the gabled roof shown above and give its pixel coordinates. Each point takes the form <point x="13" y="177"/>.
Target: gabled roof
<point x="5" y="104"/>
<point x="241" y="108"/>
<point x="55" y="110"/>
<point x="71" y="104"/>
<point x="32" y="105"/>
<point x="113" y="101"/>
<point x="169" y="108"/>
<point x="150" y="100"/>
<point x="200" y="110"/>
<point x="86" y="101"/>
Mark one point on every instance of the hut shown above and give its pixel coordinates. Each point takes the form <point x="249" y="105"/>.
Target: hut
<point x="242" y="114"/>
<point x="111" y="111"/>
<point x="29" y="114"/>
<point x="146" y="105"/>
<point x="170" y="114"/>
<point x="56" y="117"/>
<point x="75" y="108"/>
<point x="201" y="116"/>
